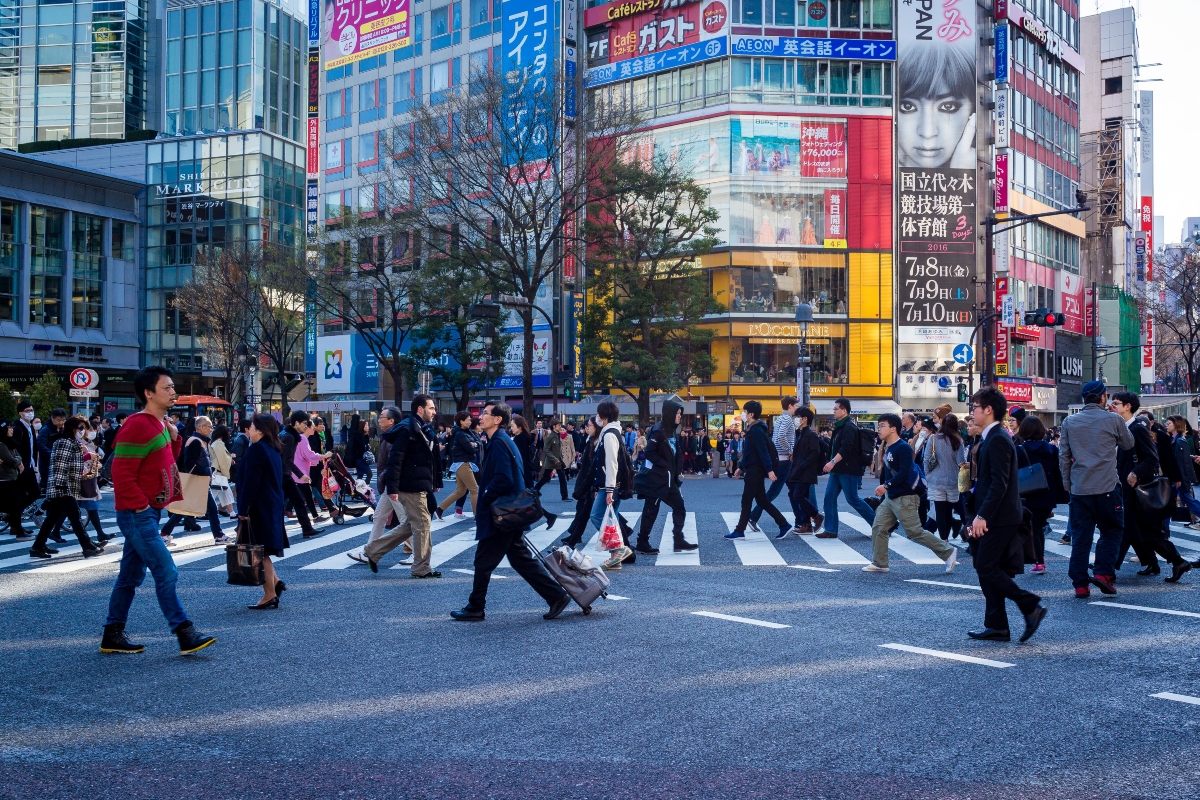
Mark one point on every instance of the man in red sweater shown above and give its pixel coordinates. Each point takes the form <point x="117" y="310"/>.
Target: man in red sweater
<point x="145" y="480"/>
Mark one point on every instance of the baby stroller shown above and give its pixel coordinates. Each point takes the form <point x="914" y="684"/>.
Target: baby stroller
<point x="343" y="491"/>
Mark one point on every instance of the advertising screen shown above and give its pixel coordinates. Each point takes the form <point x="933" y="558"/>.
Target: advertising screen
<point x="358" y="29"/>
<point x="937" y="171"/>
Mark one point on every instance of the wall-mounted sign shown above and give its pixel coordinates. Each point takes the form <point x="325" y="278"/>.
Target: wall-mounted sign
<point x="314" y="139"/>
<point x="358" y="29"/>
<point x="1001" y="198"/>
<point x="314" y="82"/>
<point x="1002" y="53"/>
<point x="835" y="218"/>
<point x="610" y="12"/>
<point x="1016" y="392"/>
<point x="312" y="207"/>
<point x="1003" y="117"/>
<point x="812" y="47"/>
<point x="314" y="23"/>
<point x="664" y="60"/>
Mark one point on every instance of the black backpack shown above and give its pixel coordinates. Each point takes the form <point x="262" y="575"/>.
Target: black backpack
<point x="866" y="447"/>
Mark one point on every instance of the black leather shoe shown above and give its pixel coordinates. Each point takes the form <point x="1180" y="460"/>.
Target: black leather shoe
<point x="645" y="550"/>
<point x="685" y="547"/>
<point x="467" y="615"/>
<point x="374" y="565"/>
<point x="990" y="635"/>
<point x="314" y="532"/>
<point x="550" y="519"/>
<point x="1149" y="571"/>
<point x="557" y="607"/>
<point x="190" y="639"/>
<point x="1032" y="620"/>
<point x="1177" y="571"/>
<point x="429" y="575"/>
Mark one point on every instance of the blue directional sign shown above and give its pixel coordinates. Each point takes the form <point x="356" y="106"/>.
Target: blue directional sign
<point x="963" y="354"/>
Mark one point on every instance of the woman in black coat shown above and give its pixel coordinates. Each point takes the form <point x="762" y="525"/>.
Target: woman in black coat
<point x="1034" y="449"/>
<point x="356" y="449"/>
<point x="260" y="501"/>
<point x="523" y="439"/>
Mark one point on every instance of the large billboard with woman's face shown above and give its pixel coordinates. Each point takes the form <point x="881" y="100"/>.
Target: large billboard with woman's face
<point x="937" y="176"/>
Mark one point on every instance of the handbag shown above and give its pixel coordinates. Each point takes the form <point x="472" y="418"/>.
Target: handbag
<point x="244" y="560"/>
<point x="195" y="496"/>
<point x="519" y="510"/>
<point x="1156" y="496"/>
<point x="1031" y="479"/>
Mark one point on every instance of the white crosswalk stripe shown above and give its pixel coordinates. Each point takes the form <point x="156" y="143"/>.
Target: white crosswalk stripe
<point x="833" y="551"/>
<point x="898" y="543"/>
<point x="308" y="545"/>
<point x="756" y="549"/>
<point x="667" y="557"/>
<point x="542" y="536"/>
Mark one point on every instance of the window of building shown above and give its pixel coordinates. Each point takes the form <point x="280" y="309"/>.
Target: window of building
<point x="46" y="267"/>
<point x="175" y="321"/>
<point x="1112" y="85"/>
<point x="408" y="90"/>
<point x="339" y="109"/>
<point x="368" y="154"/>
<point x="372" y="100"/>
<point x="10" y="259"/>
<point x="87" y="243"/>
<point x="479" y="18"/>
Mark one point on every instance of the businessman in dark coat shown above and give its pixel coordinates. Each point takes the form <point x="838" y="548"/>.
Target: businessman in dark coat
<point x="502" y="475"/>
<point x="997" y="547"/>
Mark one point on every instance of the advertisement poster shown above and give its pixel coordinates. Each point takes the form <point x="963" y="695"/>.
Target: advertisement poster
<point x="822" y="149"/>
<point x="358" y="29"/>
<point x="835" y="218"/>
<point x="765" y="146"/>
<point x="1070" y="291"/>
<point x="639" y="29"/>
<point x="345" y="365"/>
<point x="528" y="46"/>
<point x="936" y="164"/>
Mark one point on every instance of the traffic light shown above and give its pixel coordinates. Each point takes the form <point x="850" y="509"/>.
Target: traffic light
<point x="1044" y="318"/>
<point x="962" y="393"/>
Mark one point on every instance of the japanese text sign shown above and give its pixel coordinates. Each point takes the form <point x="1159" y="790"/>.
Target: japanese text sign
<point x="358" y="29"/>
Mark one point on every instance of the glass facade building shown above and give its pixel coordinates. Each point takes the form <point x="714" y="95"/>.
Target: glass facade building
<point x="73" y="70"/>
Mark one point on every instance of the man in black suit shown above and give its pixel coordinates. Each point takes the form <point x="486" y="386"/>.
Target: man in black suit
<point x="997" y="548"/>
<point x="27" y="481"/>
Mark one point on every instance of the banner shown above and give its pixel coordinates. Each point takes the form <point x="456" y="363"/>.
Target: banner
<point x="1001" y="198"/>
<point x="936" y="166"/>
<point x="314" y="138"/>
<point x="358" y="29"/>
<point x="1147" y="226"/>
<point x="529" y="45"/>
<point x="822" y="149"/>
<point x="811" y="47"/>
<point x="835" y="218"/>
<point x="1002" y="338"/>
<point x="312" y="215"/>
<point x="663" y="60"/>
<point x="345" y="364"/>
<point x="314" y="82"/>
<point x="1070" y="290"/>
<point x="1148" y="349"/>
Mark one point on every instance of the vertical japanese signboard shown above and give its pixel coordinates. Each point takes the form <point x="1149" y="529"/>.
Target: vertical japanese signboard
<point x="314" y="23"/>
<point x="577" y="339"/>
<point x="1147" y="226"/>
<point x="937" y="170"/>
<point x="312" y="207"/>
<point x="314" y="82"/>
<point x="529" y="43"/>
<point x="314" y="131"/>
<point x="1002" y="330"/>
<point x="358" y="29"/>
<point x="1148" y="346"/>
<point x="1001" y="199"/>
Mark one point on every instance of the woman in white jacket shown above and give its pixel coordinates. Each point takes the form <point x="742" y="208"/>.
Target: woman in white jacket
<point x="606" y="476"/>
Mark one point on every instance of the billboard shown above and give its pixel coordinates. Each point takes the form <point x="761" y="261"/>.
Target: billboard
<point x="822" y="149"/>
<point x="529" y="45"/>
<point x="937" y="171"/>
<point x="358" y="29"/>
<point x="345" y="365"/>
<point x="812" y="47"/>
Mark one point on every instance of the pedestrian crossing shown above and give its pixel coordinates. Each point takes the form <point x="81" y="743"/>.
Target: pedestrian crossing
<point x="454" y="543"/>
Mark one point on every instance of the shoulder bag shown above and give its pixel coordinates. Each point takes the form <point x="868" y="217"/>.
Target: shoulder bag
<point x="1031" y="478"/>
<point x="244" y="560"/>
<point x="519" y="510"/>
<point x="1156" y="496"/>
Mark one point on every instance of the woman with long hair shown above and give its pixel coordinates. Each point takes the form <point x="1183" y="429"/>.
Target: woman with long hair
<point x="62" y="487"/>
<point x="944" y="452"/>
<point x="260" y="502"/>
<point x="518" y="428"/>
<point x="1034" y="449"/>
<point x="222" y="470"/>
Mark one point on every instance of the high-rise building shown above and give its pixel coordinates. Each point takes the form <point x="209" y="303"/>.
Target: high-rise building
<point x="229" y="164"/>
<point x="1115" y="256"/>
<point x="75" y="70"/>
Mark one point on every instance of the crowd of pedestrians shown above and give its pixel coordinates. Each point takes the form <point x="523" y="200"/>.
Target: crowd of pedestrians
<point x="991" y="481"/>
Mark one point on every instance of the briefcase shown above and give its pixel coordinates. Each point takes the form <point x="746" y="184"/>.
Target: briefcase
<point x="244" y="560"/>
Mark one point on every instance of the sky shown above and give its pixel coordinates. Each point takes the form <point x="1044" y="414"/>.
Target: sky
<point x="1167" y="34"/>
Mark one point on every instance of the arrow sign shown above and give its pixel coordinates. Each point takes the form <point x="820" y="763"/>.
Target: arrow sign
<point x="963" y="354"/>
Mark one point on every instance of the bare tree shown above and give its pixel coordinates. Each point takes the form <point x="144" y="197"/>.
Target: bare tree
<point x="1176" y="312"/>
<point x="365" y="275"/>
<point x="215" y="300"/>
<point x="642" y="329"/>
<point x="496" y="172"/>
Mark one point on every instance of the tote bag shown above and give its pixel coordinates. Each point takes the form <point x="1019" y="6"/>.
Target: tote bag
<point x="195" y="496"/>
<point x="244" y="560"/>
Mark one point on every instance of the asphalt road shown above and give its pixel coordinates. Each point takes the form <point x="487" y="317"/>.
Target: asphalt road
<point x="360" y="686"/>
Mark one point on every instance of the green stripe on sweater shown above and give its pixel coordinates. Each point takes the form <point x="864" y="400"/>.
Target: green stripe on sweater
<point x="142" y="449"/>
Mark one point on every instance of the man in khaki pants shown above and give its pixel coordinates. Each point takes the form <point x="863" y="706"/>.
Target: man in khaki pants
<point x="414" y="468"/>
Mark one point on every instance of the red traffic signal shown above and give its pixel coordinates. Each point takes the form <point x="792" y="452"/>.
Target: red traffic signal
<point x="1044" y="318"/>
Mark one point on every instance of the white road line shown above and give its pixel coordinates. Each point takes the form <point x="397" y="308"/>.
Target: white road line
<point x="667" y="557"/>
<point x="898" y="543"/>
<point x="444" y="551"/>
<point x="1170" y="611"/>
<point x="1178" y="698"/>
<point x="744" y="620"/>
<point x="541" y="536"/>
<point x="834" y="551"/>
<point x="756" y="549"/>
<point x="308" y="545"/>
<point x="614" y="597"/>
<point x="344" y="561"/>
<point x="943" y="583"/>
<point x="112" y="556"/>
<point x="472" y="572"/>
<point x="198" y="555"/>
<point x="814" y="569"/>
<point x="987" y="662"/>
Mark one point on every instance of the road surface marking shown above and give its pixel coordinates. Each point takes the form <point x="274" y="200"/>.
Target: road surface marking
<point x="743" y="620"/>
<point x="667" y="557"/>
<point x="987" y="662"/>
<point x="1170" y="611"/>
<point x="898" y="543"/>
<point x="814" y="569"/>
<point x="755" y="550"/>
<point x="944" y="583"/>
<point x="1178" y="698"/>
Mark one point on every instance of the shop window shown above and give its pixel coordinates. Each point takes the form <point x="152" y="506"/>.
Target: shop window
<point x="770" y="358"/>
<point x="10" y="259"/>
<point x="46" y="269"/>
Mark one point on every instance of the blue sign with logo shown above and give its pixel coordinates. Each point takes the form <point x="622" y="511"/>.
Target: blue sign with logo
<point x="664" y="60"/>
<point x="1002" y="53"/>
<point x="314" y="23"/>
<point x="811" y="47"/>
<point x="529" y="42"/>
<point x="963" y="354"/>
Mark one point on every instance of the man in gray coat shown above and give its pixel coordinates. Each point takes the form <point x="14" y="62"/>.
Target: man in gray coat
<point x="1087" y="454"/>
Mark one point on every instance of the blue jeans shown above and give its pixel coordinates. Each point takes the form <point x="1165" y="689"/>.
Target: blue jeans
<point x="598" y="506"/>
<point x="773" y="491"/>
<point x="848" y="485"/>
<point x="1086" y="513"/>
<point x="1189" y="499"/>
<point x="144" y="548"/>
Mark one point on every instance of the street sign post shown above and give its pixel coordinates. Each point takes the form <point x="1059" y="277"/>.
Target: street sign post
<point x="83" y="392"/>
<point x="963" y="354"/>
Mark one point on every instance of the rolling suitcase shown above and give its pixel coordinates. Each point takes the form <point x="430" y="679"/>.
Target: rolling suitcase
<point x="584" y="585"/>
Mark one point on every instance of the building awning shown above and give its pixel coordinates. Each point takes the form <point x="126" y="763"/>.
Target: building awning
<point x="825" y="407"/>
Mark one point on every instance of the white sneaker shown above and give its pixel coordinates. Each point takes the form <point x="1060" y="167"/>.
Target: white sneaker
<point x="1193" y="525"/>
<point x="358" y="555"/>
<point x="168" y="541"/>
<point x="952" y="561"/>
<point x="873" y="568"/>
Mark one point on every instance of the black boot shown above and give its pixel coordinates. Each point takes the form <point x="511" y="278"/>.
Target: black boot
<point x="115" y="641"/>
<point x="190" y="640"/>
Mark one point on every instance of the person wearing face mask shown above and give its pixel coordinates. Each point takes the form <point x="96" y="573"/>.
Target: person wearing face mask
<point x="196" y="461"/>
<point x="661" y="484"/>
<point x="89" y="497"/>
<point x="63" y="479"/>
<point x="25" y="445"/>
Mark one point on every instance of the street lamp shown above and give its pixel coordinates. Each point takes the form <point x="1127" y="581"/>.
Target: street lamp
<point x="804" y="315"/>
